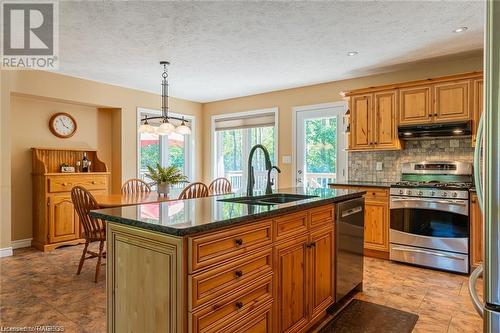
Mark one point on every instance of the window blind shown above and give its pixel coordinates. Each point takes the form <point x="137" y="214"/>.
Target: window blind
<point x="239" y="122"/>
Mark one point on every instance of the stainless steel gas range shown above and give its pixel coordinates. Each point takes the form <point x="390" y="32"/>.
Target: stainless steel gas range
<point x="430" y="215"/>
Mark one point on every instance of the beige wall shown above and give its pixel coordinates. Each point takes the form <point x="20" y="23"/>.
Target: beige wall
<point x="67" y="90"/>
<point x="29" y="128"/>
<point x="285" y="100"/>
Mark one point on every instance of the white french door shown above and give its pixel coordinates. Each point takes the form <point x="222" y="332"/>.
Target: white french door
<point x="320" y="156"/>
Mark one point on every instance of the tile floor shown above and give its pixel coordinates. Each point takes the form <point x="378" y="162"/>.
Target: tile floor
<point x="39" y="288"/>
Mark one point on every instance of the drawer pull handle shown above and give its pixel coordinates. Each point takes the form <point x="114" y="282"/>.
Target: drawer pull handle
<point x="238" y="241"/>
<point x="93" y="182"/>
<point x="238" y="273"/>
<point x="239" y="305"/>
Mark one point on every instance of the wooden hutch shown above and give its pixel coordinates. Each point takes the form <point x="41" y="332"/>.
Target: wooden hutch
<point x="55" y="222"/>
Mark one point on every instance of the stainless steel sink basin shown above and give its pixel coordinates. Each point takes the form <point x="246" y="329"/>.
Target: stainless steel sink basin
<point x="270" y="199"/>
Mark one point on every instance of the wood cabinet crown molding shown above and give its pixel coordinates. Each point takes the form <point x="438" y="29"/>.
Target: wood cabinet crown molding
<point x="371" y="89"/>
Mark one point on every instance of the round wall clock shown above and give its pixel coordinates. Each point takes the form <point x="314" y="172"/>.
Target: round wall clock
<point x="62" y="125"/>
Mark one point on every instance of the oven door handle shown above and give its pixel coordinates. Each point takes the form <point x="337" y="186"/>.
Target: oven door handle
<point x="404" y="249"/>
<point x="449" y="202"/>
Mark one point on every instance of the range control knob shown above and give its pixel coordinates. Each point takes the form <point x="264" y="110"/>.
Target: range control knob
<point x="401" y="192"/>
<point x="433" y="193"/>
<point x="420" y="193"/>
<point x="409" y="192"/>
<point x="445" y="194"/>
<point x="454" y="194"/>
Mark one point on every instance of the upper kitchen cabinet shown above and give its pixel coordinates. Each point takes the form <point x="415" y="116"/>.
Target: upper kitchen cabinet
<point x="415" y="105"/>
<point x="373" y="121"/>
<point x="451" y="101"/>
<point x="361" y="122"/>
<point x="376" y="112"/>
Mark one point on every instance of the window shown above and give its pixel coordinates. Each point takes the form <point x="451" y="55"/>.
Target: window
<point x="235" y="135"/>
<point x="173" y="149"/>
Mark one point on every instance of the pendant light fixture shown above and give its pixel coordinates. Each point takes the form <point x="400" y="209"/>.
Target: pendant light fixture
<point x="166" y="127"/>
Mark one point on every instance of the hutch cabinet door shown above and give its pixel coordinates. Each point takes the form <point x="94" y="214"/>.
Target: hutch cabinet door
<point x="451" y="101"/>
<point x="63" y="222"/>
<point x="385" y="129"/>
<point x="415" y="105"/>
<point x="321" y="271"/>
<point x="361" y="121"/>
<point x="376" y="226"/>
<point x="291" y="277"/>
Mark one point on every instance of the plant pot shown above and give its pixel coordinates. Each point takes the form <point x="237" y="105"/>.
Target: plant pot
<point x="163" y="188"/>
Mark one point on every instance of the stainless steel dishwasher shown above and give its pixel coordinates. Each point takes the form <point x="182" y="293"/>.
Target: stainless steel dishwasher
<point x="349" y="233"/>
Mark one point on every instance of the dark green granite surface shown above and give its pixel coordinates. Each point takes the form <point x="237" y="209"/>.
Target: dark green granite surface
<point x="185" y="217"/>
<point x="362" y="184"/>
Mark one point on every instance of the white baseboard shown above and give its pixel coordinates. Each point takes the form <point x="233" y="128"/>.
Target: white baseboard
<point x="6" y="252"/>
<point x="18" y="244"/>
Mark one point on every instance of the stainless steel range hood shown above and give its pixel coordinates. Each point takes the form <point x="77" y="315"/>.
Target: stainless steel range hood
<point x="435" y="130"/>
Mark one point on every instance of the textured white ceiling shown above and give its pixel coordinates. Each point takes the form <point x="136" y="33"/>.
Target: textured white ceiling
<point x="220" y="50"/>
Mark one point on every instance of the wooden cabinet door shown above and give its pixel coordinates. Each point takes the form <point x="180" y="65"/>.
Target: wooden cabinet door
<point x="376" y="225"/>
<point x="477" y="232"/>
<point x="63" y="221"/>
<point x="451" y="101"/>
<point x="321" y="271"/>
<point x="361" y="122"/>
<point x="384" y="124"/>
<point x="477" y="105"/>
<point x="291" y="282"/>
<point x="415" y="105"/>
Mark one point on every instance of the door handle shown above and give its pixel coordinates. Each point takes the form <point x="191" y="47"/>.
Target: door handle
<point x="472" y="290"/>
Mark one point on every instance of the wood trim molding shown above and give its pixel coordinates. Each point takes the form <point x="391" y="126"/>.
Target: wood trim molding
<point x="469" y="75"/>
<point x="21" y="243"/>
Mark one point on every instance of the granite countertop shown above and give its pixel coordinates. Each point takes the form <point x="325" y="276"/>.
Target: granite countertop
<point x="363" y="183"/>
<point x="186" y="217"/>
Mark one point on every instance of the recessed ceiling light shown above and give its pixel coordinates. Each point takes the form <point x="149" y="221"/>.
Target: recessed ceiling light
<point x="461" y="29"/>
<point x="352" y="53"/>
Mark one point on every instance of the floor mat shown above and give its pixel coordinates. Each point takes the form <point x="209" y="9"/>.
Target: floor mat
<point x="361" y="316"/>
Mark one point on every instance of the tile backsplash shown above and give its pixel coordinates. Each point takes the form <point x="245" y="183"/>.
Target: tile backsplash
<point x="362" y="165"/>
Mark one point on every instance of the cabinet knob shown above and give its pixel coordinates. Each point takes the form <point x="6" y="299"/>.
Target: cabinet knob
<point x="238" y="241"/>
<point x="93" y="182"/>
<point x="435" y="114"/>
<point x="238" y="273"/>
<point x="239" y="305"/>
<point x="63" y="184"/>
<point x="430" y="115"/>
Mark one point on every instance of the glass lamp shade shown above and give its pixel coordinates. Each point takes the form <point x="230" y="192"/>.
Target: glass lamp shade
<point x="166" y="128"/>
<point x="183" y="129"/>
<point x="146" y="128"/>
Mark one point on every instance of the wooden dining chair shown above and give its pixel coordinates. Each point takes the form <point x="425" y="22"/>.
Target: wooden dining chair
<point x="220" y="186"/>
<point x="94" y="230"/>
<point x="194" y="190"/>
<point x="135" y="185"/>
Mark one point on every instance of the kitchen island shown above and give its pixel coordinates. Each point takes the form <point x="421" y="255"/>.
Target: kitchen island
<point x="216" y="265"/>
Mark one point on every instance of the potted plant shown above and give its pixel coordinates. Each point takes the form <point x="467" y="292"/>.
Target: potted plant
<point x="165" y="177"/>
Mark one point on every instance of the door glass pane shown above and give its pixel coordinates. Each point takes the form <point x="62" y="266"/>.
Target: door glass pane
<point x="176" y="154"/>
<point x="233" y="149"/>
<point x="320" y="151"/>
<point x="150" y="152"/>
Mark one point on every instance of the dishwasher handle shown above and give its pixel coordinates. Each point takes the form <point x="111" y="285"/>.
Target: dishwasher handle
<point x="351" y="211"/>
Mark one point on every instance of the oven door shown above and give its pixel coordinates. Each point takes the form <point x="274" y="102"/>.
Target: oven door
<point x="440" y="224"/>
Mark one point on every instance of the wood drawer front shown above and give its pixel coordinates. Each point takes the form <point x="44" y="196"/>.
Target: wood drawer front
<point x="66" y="183"/>
<point x="207" y="285"/>
<point x="259" y="321"/>
<point x="373" y="193"/>
<point x="218" y="246"/>
<point x="290" y="225"/>
<point x="322" y="216"/>
<point x="233" y="308"/>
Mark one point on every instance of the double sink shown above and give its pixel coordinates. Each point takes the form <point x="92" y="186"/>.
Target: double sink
<point x="269" y="199"/>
